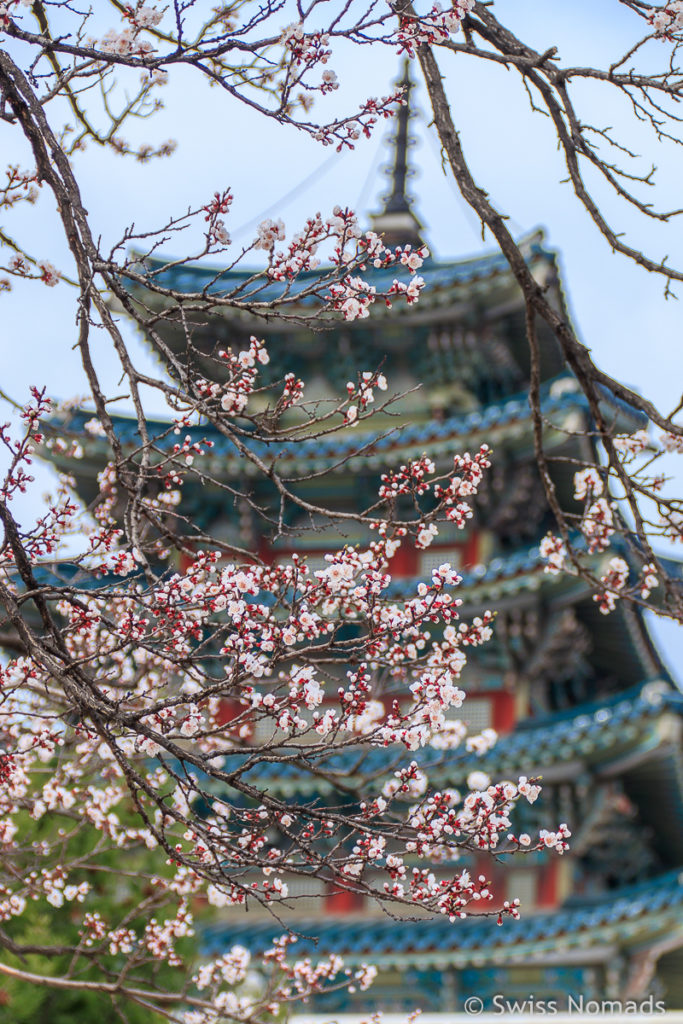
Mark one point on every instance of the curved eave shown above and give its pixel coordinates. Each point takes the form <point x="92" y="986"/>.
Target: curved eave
<point x="510" y="575"/>
<point x="505" y="422"/>
<point x="508" y="421"/>
<point x="602" y="740"/>
<point x="636" y="916"/>
<point x="522" y="570"/>
<point x="443" y="280"/>
<point x="502" y="578"/>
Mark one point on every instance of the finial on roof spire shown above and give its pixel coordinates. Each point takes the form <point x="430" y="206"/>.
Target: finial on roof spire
<point x="397" y="222"/>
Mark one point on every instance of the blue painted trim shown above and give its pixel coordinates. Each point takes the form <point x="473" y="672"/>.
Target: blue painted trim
<point x="384" y="936"/>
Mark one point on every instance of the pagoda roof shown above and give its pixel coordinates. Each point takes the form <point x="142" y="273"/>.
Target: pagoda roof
<point x="636" y="915"/>
<point x="636" y="732"/>
<point x="593" y="735"/>
<point x="509" y="417"/>
<point x="628" y="649"/>
<point x="199" y="281"/>
<point x="521" y="562"/>
<point x="522" y="569"/>
<point x="562" y="746"/>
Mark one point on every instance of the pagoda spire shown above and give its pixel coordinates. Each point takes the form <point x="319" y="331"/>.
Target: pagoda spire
<point x="396" y="221"/>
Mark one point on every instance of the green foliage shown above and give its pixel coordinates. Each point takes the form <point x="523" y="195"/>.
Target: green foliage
<point x="121" y="891"/>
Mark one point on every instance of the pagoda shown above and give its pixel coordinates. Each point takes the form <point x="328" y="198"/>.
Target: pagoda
<point x="578" y="698"/>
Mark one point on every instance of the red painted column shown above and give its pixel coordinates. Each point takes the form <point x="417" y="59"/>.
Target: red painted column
<point x="503" y="711"/>
<point x="470" y="551"/>
<point x="342" y="901"/>
<point x="405" y="561"/>
<point x="547" y="884"/>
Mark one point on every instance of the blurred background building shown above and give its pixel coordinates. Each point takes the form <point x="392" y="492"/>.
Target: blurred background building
<point x="579" y="699"/>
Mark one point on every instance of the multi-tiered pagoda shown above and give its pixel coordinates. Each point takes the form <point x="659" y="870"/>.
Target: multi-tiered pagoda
<point x="578" y="698"/>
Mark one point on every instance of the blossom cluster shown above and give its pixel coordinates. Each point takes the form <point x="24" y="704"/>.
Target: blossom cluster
<point x="20" y="265"/>
<point x="129" y="40"/>
<point x="552" y="549"/>
<point x="241" y="371"/>
<point x="345" y="132"/>
<point x="362" y="394"/>
<point x="613" y="580"/>
<point x="668" y="19"/>
<point x="210" y="662"/>
<point x="20" y="186"/>
<point x="352" y="295"/>
<point x="437" y="26"/>
<point x="216" y="230"/>
<point x="9" y="8"/>
<point x="626" y="474"/>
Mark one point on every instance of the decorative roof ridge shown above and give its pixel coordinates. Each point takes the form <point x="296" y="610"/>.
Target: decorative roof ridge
<point x="494" y="414"/>
<point x="523" y="560"/>
<point x="557" y="394"/>
<point x="462" y="269"/>
<point x="355" y="937"/>
<point x="530" y="749"/>
<point x="652" y="691"/>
